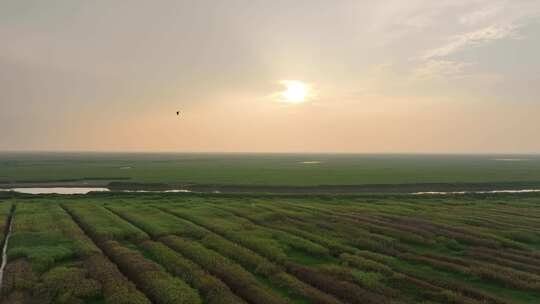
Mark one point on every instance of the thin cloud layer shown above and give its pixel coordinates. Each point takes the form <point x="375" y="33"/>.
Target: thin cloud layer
<point x="392" y="76"/>
<point x="470" y="39"/>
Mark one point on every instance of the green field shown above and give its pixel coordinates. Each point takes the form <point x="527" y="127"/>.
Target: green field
<point x="203" y="248"/>
<point x="123" y="248"/>
<point x="268" y="169"/>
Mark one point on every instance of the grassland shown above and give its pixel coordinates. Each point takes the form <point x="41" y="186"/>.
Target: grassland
<point x="268" y="169"/>
<point x="202" y="248"/>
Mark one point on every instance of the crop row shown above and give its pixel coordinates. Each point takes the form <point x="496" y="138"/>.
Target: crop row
<point x="331" y="278"/>
<point x="145" y="218"/>
<point x="51" y="260"/>
<point x="222" y="250"/>
<point x="347" y="254"/>
<point x="149" y="277"/>
<point x="333" y="285"/>
<point x="211" y="288"/>
<point x="369" y="264"/>
<point x="239" y="280"/>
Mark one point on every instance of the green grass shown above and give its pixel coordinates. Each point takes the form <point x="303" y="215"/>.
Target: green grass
<point x="188" y="248"/>
<point x="38" y="235"/>
<point x="51" y="260"/>
<point x="47" y="253"/>
<point x="267" y="169"/>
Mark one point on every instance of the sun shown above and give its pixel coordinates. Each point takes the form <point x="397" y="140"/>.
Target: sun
<point x="295" y="91"/>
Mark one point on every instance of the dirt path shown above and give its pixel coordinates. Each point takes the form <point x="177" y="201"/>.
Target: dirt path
<point x="4" y="249"/>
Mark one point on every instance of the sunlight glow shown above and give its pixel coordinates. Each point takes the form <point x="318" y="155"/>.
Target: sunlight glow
<point x="295" y="91"/>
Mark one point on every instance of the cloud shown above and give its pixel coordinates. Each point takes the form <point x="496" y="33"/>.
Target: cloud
<point x="481" y="15"/>
<point x="485" y="22"/>
<point x="474" y="38"/>
<point x="471" y="24"/>
<point x="434" y="69"/>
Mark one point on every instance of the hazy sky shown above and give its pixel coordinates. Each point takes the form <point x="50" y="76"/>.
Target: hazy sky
<point x="395" y="76"/>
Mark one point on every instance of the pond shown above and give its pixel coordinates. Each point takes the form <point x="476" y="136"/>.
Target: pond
<point x="76" y="190"/>
<point x="466" y="192"/>
<point x="56" y="190"/>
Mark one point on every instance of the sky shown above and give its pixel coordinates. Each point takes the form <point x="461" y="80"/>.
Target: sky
<point x="394" y="76"/>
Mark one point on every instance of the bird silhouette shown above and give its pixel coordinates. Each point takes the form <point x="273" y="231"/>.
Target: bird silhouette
<point x="177" y="113"/>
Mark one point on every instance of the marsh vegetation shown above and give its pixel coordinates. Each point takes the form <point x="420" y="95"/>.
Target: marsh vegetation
<point x="202" y="248"/>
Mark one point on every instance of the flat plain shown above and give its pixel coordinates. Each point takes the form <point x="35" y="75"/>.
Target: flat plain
<point x="205" y="248"/>
<point x="267" y="169"/>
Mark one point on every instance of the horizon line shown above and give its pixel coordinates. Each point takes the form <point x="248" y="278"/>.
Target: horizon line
<point x="265" y="152"/>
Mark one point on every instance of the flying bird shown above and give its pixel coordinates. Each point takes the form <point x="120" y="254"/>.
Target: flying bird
<point x="177" y="113"/>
